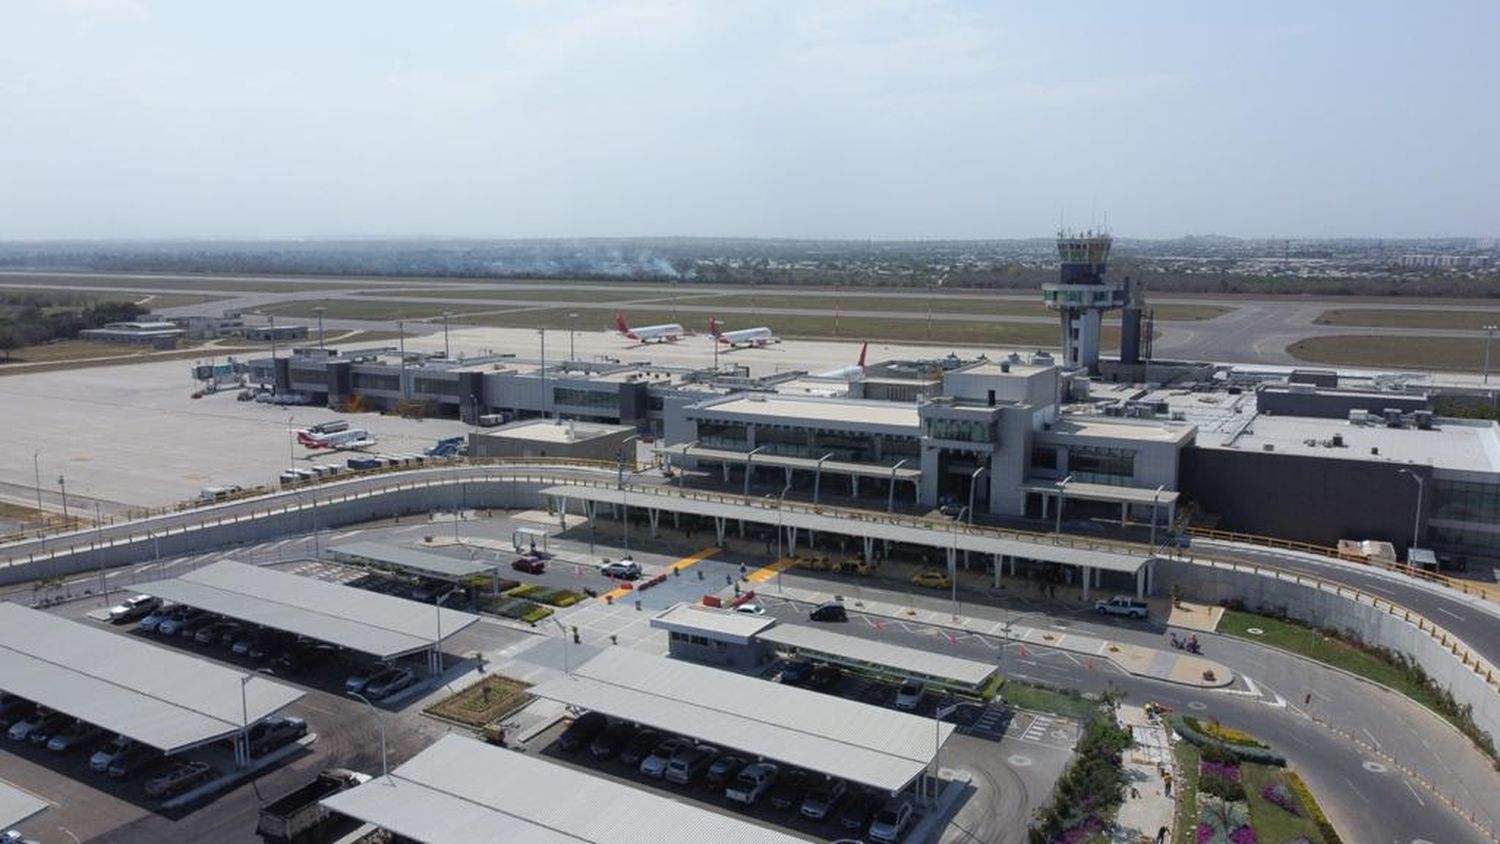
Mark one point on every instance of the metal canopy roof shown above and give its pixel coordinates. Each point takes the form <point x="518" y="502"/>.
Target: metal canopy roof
<point x="369" y="622"/>
<point x="17" y="805"/>
<point x="166" y="699"/>
<point x="844" y="522"/>
<point x="781" y="461"/>
<point x="1104" y="492"/>
<point x="871" y="745"/>
<point x="725" y="625"/>
<point x="411" y="560"/>
<point x="852" y="650"/>
<point x="462" y="791"/>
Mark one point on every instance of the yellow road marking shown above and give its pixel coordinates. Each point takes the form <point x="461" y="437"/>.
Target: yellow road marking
<point x="761" y="575"/>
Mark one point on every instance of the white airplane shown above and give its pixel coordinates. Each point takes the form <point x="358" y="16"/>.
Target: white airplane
<point x="848" y="371"/>
<point x="665" y="333"/>
<point x="743" y="337"/>
<point x="352" y="439"/>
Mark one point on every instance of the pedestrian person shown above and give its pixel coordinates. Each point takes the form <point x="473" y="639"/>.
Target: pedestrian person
<point x="1161" y="835"/>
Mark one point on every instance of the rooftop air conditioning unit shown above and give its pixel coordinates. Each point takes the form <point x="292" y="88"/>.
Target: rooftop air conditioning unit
<point x="1268" y="447"/>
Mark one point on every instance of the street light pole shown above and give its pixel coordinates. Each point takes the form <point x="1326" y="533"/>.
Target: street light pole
<point x="1062" y="495"/>
<point x="1154" y="499"/>
<point x="36" y="466"/>
<point x="379" y="720"/>
<point x="1416" y="521"/>
<point x="319" y="311"/>
<point x="447" y="353"/>
<point x="818" y="477"/>
<point x="572" y="327"/>
<point x="99" y="543"/>
<point x="244" y="720"/>
<point x="401" y="331"/>
<point x="779" y="528"/>
<point x="953" y="563"/>
<point x="62" y="486"/>
<point x="567" y="666"/>
<point x="542" y="332"/>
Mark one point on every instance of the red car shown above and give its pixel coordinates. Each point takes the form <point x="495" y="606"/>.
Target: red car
<point x="530" y="564"/>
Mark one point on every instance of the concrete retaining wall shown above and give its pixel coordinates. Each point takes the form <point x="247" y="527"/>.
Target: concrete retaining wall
<point x="1325" y="608"/>
<point x="230" y="533"/>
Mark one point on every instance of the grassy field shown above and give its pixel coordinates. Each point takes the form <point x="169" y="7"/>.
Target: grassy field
<point x="156" y="300"/>
<point x="1473" y="319"/>
<point x="78" y="354"/>
<point x="1039" y="699"/>
<point x="373" y="309"/>
<point x="1314" y="645"/>
<point x="1458" y="353"/>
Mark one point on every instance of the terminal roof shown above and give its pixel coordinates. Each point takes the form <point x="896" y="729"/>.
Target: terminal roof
<point x="867" y="523"/>
<point x="829" y="412"/>
<point x="168" y="700"/>
<point x="461" y="791"/>
<point x="871" y="745"/>
<point x="1464" y="445"/>
<point x="410" y="560"/>
<point x="369" y="622"/>
<point x="726" y="625"/>
<point x="909" y="472"/>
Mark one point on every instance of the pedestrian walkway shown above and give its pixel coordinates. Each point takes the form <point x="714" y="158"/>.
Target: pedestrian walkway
<point x="1195" y="616"/>
<point x="1181" y="668"/>
<point x="1148" y="808"/>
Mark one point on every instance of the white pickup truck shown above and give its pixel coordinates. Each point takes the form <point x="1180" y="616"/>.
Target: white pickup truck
<point x="1121" y="605"/>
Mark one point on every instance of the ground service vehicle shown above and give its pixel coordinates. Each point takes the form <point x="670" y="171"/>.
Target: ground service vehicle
<point x="1121" y="605"/>
<point x="292" y="816"/>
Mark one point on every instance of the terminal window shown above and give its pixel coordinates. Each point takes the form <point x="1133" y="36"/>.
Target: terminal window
<point x="1095" y="464"/>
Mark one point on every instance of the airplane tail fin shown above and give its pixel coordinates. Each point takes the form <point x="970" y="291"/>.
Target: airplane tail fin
<point x="620" y="324"/>
<point x="862" y="350"/>
<point x="713" y="327"/>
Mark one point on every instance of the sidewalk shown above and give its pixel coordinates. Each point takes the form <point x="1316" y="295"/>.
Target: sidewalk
<point x="1147" y="808"/>
<point x="1183" y="669"/>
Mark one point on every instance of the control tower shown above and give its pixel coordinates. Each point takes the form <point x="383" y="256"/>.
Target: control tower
<point x="1081" y="295"/>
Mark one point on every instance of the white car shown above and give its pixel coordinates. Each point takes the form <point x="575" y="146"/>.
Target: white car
<point x="750" y="608"/>
<point x="751" y="783"/>
<point x="622" y="569"/>
<point x="133" y="608"/>
<point x="909" y="696"/>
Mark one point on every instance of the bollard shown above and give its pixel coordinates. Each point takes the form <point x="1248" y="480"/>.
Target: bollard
<point x="614" y="639"/>
<point x="700" y="574"/>
<point x="638" y="605"/>
<point x="676" y="572"/>
<point x="575" y="634"/>
<point x="609" y="599"/>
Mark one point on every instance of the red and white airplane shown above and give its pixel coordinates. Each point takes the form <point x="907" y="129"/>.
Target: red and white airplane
<point x="743" y="337"/>
<point x="665" y="333"/>
<point x="847" y="371"/>
<point x="354" y="438"/>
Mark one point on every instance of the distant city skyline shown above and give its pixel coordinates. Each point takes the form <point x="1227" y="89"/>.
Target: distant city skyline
<point x="160" y="120"/>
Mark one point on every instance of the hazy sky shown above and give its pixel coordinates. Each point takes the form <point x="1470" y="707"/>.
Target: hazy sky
<point x="149" y="118"/>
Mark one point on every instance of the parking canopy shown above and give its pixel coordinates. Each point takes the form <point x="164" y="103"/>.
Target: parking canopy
<point x="968" y="674"/>
<point x="461" y="791"/>
<point x="17" y="805"/>
<point x="408" y="560"/>
<point x="159" y="697"/>
<point x="865" y="744"/>
<point x="357" y="619"/>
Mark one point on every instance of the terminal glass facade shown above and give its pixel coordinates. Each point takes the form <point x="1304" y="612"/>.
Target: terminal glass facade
<point x="376" y="381"/>
<point x="1099" y="465"/>
<point x="1466" y="501"/>
<point x="601" y="403"/>
<point x="958" y="430"/>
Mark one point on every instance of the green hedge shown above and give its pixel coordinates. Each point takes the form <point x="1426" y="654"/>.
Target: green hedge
<point x="1188" y="728"/>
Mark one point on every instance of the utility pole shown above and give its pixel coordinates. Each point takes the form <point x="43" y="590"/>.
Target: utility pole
<point x="36" y="465"/>
<point x="447" y="353"/>
<point x="62" y="486"/>
<point x="572" y="327"/>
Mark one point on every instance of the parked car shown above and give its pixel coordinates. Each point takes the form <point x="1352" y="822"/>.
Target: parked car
<point x="388" y="682"/>
<point x="530" y="564"/>
<point x="49" y="727"/>
<point x="211" y="633"/>
<point x="172" y="624"/>
<point x="268" y="735"/>
<point x="179" y="778"/>
<point x="300" y="659"/>
<point x="14" y="709"/>
<point x="639" y="746"/>
<point x="825" y="675"/>
<point x="909" y="696"/>
<point x="609" y="742"/>
<point x="20" y="730"/>
<point x="73" y="737"/>
<point x="621" y="569"/>
<point x="133" y="608"/>
<point x="821" y="801"/>
<point x="789" y="789"/>
<point x="268" y="643"/>
<point x="858" y="810"/>
<point x="361" y="678"/>
<point x="655" y="763"/>
<point x="133" y="760"/>
<point x="721" y="771"/>
<point x="752" y="782"/>
<point x="688" y="763"/>
<point x="191" y="627"/>
<point x="582" y="732"/>
<point x="1121" y="605"/>
<point x="932" y="579"/>
<point x="796" y="672"/>
<point x="891" y="821"/>
<point x="109" y="754"/>
<point x="750" y="608"/>
<point x="829" y="611"/>
<point x="152" y="620"/>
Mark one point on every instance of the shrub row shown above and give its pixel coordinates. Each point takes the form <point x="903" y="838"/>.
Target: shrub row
<point x="1330" y="835"/>
<point x="545" y="594"/>
<point x="1214" y="750"/>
